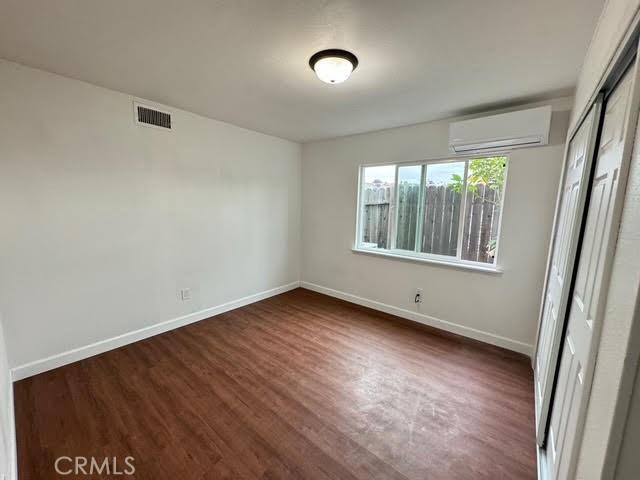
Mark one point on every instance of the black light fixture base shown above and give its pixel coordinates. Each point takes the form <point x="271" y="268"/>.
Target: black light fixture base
<point x="333" y="52"/>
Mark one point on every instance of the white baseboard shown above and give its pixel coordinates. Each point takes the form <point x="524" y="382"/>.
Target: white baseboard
<point x="70" y="356"/>
<point x="485" y="337"/>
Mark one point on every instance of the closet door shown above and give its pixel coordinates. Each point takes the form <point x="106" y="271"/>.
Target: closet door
<point x="576" y="174"/>
<point x="589" y="292"/>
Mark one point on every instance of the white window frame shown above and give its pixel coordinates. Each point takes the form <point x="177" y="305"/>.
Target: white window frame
<point x="444" y="260"/>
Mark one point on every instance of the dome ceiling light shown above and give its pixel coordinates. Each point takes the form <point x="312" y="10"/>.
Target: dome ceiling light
<point x="333" y="66"/>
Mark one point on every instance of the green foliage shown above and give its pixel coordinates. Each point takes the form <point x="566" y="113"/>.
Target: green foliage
<point x="491" y="248"/>
<point x="482" y="171"/>
<point x="456" y="183"/>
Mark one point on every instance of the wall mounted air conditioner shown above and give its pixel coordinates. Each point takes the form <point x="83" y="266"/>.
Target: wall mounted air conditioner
<point x="506" y="131"/>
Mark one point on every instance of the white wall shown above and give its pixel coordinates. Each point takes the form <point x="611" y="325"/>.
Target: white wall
<point x="608" y="386"/>
<point x="611" y="382"/>
<point x="502" y="308"/>
<point x="629" y="461"/>
<point x="7" y="429"/>
<point x="613" y="26"/>
<point x="103" y="221"/>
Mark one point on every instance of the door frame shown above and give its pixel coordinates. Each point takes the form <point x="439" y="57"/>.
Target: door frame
<point x="632" y="346"/>
<point x="611" y="73"/>
<point x="555" y="351"/>
<point x="627" y="60"/>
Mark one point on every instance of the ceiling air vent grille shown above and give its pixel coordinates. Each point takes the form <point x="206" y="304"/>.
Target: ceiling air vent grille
<point x="152" y="117"/>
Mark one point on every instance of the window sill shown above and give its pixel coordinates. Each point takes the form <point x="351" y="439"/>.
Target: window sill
<point x="443" y="263"/>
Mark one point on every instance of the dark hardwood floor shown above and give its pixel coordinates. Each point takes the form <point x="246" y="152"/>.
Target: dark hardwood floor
<point x="298" y="386"/>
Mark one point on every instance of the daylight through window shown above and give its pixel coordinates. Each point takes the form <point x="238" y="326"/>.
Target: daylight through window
<point x="447" y="210"/>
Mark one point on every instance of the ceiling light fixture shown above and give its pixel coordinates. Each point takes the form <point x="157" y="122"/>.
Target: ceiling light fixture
<point x="333" y="66"/>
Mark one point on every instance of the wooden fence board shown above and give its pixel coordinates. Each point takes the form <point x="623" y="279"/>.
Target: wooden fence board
<point x="407" y="216"/>
<point x="441" y="216"/>
<point x="456" y="200"/>
<point x="488" y="208"/>
<point x="429" y="216"/>
<point x="438" y="205"/>
<point x="472" y="227"/>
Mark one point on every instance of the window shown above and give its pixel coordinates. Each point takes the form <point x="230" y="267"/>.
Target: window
<point x="447" y="210"/>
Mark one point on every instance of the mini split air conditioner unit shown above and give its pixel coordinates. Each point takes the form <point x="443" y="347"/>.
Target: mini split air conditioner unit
<point x="506" y="131"/>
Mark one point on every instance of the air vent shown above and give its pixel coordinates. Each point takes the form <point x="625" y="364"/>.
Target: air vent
<point x="152" y="117"/>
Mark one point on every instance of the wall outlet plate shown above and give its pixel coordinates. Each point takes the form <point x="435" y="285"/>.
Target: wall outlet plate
<point x="418" y="297"/>
<point x="185" y="294"/>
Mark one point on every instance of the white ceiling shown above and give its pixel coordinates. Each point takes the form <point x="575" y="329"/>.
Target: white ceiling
<point x="245" y="61"/>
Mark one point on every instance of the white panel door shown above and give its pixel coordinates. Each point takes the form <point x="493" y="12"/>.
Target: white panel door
<point x="560" y="271"/>
<point x="588" y="294"/>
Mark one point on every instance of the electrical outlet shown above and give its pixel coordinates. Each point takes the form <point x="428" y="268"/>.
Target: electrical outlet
<point x="418" y="297"/>
<point x="185" y="294"/>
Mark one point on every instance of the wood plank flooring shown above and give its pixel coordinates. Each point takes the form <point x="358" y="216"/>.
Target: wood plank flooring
<point x="298" y="386"/>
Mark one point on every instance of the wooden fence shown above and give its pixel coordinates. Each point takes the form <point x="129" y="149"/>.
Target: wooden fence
<point x="375" y="222"/>
<point x="441" y="215"/>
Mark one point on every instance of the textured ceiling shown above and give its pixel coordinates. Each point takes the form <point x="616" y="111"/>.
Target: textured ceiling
<point x="245" y="62"/>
